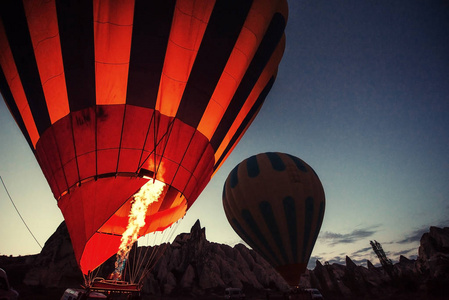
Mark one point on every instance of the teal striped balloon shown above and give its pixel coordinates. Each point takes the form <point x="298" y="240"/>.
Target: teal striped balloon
<point x="275" y="202"/>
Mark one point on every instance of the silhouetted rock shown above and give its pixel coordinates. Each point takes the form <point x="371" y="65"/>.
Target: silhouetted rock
<point x="55" y="266"/>
<point x="206" y="267"/>
<point x="426" y="276"/>
<point x="370" y="265"/>
<point x="433" y="261"/>
<point x="433" y="253"/>
<point x="193" y="266"/>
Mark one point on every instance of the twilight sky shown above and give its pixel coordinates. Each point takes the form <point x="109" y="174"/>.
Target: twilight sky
<point x="362" y="96"/>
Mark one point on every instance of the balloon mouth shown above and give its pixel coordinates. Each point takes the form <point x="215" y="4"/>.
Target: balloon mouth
<point x="100" y="176"/>
<point x="160" y="215"/>
<point x="142" y="173"/>
<point x="147" y="174"/>
<point x="292" y="272"/>
<point x="172" y="200"/>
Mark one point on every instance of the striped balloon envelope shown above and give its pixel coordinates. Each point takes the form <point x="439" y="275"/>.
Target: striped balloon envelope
<point x="275" y="202"/>
<point x="111" y="93"/>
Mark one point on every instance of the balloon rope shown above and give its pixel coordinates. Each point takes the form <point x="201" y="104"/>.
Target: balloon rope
<point x="143" y="258"/>
<point x="19" y="212"/>
<point x="152" y="260"/>
<point x="140" y="260"/>
<point x="131" y="267"/>
<point x="137" y="262"/>
<point x="158" y="251"/>
<point x="167" y="133"/>
<point x="144" y="143"/>
<point x="157" y="143"/>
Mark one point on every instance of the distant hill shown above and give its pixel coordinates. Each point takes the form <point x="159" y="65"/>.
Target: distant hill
<point x="192" y="266"/>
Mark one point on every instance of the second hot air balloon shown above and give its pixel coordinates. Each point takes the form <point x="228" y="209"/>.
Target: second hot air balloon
<point x="275" y="202"/>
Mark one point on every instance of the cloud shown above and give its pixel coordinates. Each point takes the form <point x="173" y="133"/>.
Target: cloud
<point x="312" y="262"/>
<point x="338" y="260"/>
<point x="334" y="238"/>
<point x="414" y="236"/>
<point x="333" y="260"/>
<point x="359" y="257"/>
<point x="362" y="251"/>
<point x="442" y="223"/>
<point x="406" y="252"/>
<point x="359" y="261"/>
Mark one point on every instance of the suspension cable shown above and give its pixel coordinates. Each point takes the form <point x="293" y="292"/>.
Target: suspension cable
<point x="19" y="212"/>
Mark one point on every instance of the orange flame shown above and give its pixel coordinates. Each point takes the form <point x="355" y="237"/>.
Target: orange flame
<point x="148" y="193"/>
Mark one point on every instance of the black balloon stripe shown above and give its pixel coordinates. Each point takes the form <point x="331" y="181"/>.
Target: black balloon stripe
<point x="320" y="218"/>
<point x="76" y="31"/>
<point x="234" y="178"/>
<point x="276" y="161"/>
<point x="251" y="223"/>
<point x="239" y="229"/>
<point x="151" y="31"/>
<point x="291" y="220"/>
<point x="299" y="164"/>
<point x="270" y="220"/>
<point x="308" y="219"/>
<point x="16" y="28"/>
<point x="9" y="99"/>
<point x="225" y="24"/>
<point x="252" y="166"/>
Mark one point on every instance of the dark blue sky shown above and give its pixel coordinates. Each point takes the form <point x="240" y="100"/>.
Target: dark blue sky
<point x="362" y="95"/>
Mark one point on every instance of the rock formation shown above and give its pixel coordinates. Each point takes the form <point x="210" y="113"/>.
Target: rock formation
<point x="55" y="266"/>
<point x="433" y="260"/>
<point x="192" y="266"/>
<point x="428" y="276"/>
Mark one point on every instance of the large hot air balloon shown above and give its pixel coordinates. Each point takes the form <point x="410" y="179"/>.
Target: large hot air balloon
<point x="275" y="203"/>
<point x="109" y="94"/>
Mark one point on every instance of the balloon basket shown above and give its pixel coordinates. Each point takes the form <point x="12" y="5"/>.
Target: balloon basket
<point x="114" y="287"/>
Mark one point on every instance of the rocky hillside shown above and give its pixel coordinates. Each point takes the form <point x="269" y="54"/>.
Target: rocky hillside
<point x="427" y="277"/>
<point x="194" y="267"/>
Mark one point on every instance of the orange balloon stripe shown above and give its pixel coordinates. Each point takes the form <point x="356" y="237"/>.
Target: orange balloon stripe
<point x="44" y="32"/>
<point x="15" y="85"/>
<point x="189" y="24"/>
<point x="180" y="199"/>
<point x="113" y="23"/>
